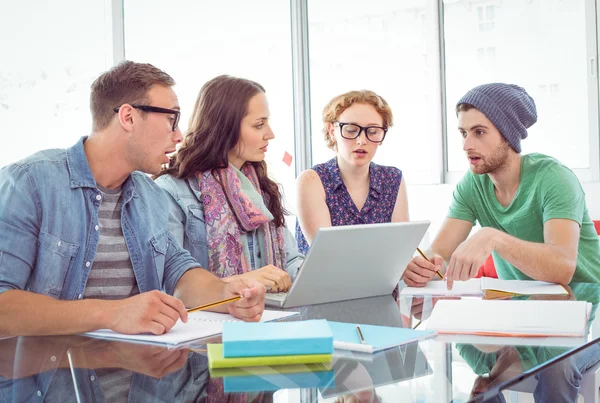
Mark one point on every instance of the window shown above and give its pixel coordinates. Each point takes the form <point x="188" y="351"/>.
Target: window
<point x="486" y="17"/>
<point x="207" y="39"/>
<point x="544" y="49"/>
<point x="51" y="53"/>
<point x="381" y="45"/>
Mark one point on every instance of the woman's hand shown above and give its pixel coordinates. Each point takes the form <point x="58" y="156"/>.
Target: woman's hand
<point x="275" y="279"/>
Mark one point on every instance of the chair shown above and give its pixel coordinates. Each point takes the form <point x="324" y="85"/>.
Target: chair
<point x="488" y="269"/>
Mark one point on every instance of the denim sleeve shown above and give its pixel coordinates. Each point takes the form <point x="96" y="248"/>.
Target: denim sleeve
<point x="176" y="214"/>
<point x="177" y="262"/>
<point x="19" y="226"/>
<point x="293" y="258"/>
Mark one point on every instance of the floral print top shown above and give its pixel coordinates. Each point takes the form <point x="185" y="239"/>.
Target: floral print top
<point x="383" y="190"/>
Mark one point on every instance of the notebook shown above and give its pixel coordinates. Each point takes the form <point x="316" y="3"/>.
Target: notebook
<point x="199" y="325"/>
<point x="478" y="286"/>
<point x="279" y="369"/>
<point x="216" y="359"/>
<point x="242" y="339"/>
<point x="377" y="338"/>
<point x="273" y="381"/>
<point x="512" y="318"/>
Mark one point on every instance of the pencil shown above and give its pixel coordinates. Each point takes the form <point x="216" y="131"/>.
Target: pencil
<point x="425" y="257"/>
<point x="212" y="304"/>
<point x="360" y="335"/>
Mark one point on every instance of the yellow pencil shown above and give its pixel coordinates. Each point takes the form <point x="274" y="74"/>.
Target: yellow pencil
<point x="212" y="304"/>
<point x="425" y="257"/>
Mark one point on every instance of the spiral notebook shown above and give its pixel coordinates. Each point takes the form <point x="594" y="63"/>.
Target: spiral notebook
<point x="199" y="325"/>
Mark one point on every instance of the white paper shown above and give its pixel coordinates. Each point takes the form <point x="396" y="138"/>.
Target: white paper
<point x="477" y="286"/>
<point x="522" y="318"/>
<point x="522" y="287"/>
<point x="435" y="287"/>
<point x="200" y="324"/>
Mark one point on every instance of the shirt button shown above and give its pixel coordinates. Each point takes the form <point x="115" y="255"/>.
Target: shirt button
<point x="39" y="392"/>
<point x="59" y="243"/>
<point x="92" y="378"/>
<point x="97" y="227"/>
<point x="87" y="264"/>
<point x="53" y="358"/>
<point x="80" y="296"/>
<point x="98" y="197"/>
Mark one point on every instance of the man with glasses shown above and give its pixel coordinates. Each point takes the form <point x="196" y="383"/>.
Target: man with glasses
<point x="85" y="243"/>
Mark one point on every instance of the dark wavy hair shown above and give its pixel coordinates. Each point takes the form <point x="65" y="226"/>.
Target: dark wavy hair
<point x="214" y="130"/>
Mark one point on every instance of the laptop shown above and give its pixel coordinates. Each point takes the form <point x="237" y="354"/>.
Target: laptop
<point x="352" y="261"/>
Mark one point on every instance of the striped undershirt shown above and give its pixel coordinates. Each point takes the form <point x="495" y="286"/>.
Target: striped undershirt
<point x="112" y="277"/>
<point x="112" y="274"/>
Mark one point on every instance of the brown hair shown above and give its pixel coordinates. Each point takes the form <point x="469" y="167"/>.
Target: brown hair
<point x="125" y="83"/>
<point x="464" y="108"/>
<point x="339" y="104"/>
<point x="214" y="130"/>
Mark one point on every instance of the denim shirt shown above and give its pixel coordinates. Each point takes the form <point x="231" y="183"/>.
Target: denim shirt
<point x="187" y="384"/>
<point x="186" y="223"/>
<point x="49" y="224"/>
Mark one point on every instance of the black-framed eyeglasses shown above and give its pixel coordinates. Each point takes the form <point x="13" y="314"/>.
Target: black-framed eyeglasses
<point x="350" y="131"/>
<point x="156" y="109"/>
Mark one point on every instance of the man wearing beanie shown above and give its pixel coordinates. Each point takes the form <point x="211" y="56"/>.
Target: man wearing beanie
<point x="531" y="209"/>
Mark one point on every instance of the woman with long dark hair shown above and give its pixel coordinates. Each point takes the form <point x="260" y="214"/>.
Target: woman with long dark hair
<point x="225" y="209"/>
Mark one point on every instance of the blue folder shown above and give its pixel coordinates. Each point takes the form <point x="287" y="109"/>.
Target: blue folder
<point x="243" y="339"/>
<point x="345" y="336"/>
<point x="273" y="382"/>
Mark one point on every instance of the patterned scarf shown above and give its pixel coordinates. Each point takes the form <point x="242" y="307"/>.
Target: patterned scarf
<point x="229" y="212"/>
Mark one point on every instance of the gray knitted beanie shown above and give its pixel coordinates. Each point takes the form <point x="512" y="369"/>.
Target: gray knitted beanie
<point x="507" y="106"/>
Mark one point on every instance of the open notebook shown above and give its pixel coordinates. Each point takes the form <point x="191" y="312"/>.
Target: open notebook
<point x="199" y="325"/>
<point x="478" y="286"/>
<point x="510" y="318"/>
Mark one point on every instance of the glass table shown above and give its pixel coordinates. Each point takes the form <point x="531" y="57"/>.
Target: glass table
<point x="442" y="369"/>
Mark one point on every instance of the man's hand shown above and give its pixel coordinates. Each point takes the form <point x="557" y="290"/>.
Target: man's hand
<point x="154" y="361"/>
<point x="276" y="279"/>
<point x="249" y="308"/>
<point x="469" y="256"/>
<point x="150" y="312"/>
<point x="419" y="271"/>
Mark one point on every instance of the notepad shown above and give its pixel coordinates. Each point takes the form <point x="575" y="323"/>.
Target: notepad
<point x="510" y="318"/>
<point x="216" y="359"/>
<point x="283" y="338"/>
<point x="345" y="336"/>
<point x="199" y="325"/>
<point x="478" y="286"/>
<point x="277" y="381"/>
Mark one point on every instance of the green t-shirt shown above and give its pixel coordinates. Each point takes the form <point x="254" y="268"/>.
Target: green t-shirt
<point x="548" y="190"/>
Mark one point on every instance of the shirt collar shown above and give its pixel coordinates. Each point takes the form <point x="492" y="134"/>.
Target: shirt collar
<point x="336" y="177"/>
<point x="80" y="173"/>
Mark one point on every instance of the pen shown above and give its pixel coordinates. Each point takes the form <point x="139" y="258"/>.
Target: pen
<point x="360" y="335"/>
<point x="425" y="257"/>
<point x="212" y="304"/>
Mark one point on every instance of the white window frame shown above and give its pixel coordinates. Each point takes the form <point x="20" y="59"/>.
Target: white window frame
<point x="585" y="175"/>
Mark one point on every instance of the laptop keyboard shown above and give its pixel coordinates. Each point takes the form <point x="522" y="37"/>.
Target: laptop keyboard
<point x="277" y="296"/>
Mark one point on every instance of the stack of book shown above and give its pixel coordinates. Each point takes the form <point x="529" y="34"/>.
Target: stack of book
<point x="268" y="344"/>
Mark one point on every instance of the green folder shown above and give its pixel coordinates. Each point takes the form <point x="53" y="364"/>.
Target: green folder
<point x="216" y="359"/>
<point x="280" y="369"/>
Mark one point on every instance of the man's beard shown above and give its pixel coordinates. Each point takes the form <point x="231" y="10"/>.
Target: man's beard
<point x="493" y="163"/>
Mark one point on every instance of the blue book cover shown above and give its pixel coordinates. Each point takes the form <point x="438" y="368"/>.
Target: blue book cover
<point x="243" y="339"/>
<point x="274" y="382"/>
<point x="376" y="338"/>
